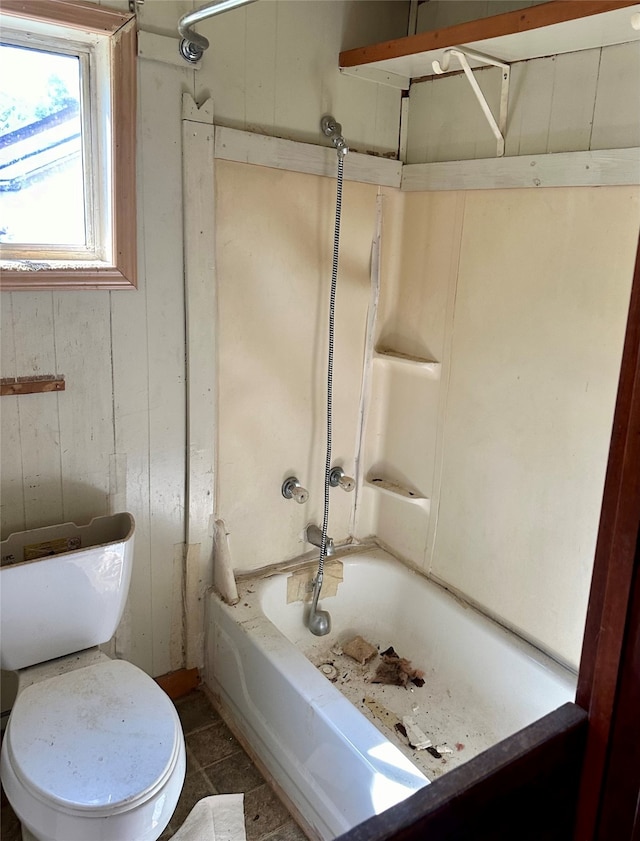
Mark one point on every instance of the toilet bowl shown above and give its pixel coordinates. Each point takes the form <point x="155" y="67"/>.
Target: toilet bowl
<point x="93" y="749"/>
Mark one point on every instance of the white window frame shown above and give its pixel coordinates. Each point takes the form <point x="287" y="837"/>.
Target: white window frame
<point x="107" y="40"/>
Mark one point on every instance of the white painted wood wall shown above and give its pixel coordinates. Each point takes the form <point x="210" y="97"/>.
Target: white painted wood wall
<point x="116" y="438"/>
<point x="568" y="103"/>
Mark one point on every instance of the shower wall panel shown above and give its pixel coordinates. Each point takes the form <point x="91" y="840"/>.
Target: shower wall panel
<point x="274" y="248"/>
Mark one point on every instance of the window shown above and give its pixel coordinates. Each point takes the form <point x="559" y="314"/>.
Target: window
<point x="67" y="146"/>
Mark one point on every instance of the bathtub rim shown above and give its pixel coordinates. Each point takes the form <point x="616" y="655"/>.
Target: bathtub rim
<point x="346" y="550"/>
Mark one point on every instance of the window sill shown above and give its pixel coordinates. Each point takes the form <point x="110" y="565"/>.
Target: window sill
<point x="52" y="277"/>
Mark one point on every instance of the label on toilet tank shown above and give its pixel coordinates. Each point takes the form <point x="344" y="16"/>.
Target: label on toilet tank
<point x="51" y="547"/>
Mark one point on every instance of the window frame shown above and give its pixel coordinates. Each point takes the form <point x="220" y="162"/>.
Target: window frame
<point x="120" y="271"/>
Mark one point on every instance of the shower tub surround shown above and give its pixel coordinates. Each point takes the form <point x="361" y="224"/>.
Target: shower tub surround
<point x="331" y="742"/>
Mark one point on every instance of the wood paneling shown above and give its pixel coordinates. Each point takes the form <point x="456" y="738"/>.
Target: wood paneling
<point x="613" y="575"/>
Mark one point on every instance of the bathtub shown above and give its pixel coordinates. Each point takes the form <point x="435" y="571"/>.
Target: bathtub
<point x="327" y="734"/>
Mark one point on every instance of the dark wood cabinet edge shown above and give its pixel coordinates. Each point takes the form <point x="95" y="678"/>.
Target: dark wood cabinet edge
<point x="524" y="787"/>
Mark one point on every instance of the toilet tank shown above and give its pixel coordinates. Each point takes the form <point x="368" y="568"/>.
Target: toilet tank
<point x="63" y="588"/>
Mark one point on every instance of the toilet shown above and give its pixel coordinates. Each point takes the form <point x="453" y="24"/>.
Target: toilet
<point x="93" y="749"/>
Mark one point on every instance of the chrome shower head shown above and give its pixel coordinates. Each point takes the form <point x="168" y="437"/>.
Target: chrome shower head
<point x="318" y="621"/>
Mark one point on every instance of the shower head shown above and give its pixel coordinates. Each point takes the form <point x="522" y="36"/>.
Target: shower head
<point x="333" y="130"/>
<point x="318" y="621"/>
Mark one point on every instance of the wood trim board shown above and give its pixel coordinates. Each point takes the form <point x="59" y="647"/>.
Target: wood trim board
<point x="310" y="158"/>
<point x="31" y="385"/>
<point x="198" y="173"/>
<point x="73" y="13"/>
<point x="602" y="167"/>
<point x="598" y="168"/>
<point x="603" y="667"/>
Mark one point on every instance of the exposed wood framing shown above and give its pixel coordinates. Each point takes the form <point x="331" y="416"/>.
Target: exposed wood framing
<point x="201" y="308"/>
<point x="31" y="385"/>
<point x="259" y="149"/>
<point x="603" y="167"/>
<point x="177" y="684"/>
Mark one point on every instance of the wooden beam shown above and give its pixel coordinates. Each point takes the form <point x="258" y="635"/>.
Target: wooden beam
<point x="523" y="20"/>
<point x="602" y="664"/>
<point x="201" y="317"/>
<point x="599" y="168"/>
<point x="310" y="158"/>
<point x="31" y="385"/>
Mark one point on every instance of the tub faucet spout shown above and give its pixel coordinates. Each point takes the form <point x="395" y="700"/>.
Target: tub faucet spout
<point x="313" y="535"/>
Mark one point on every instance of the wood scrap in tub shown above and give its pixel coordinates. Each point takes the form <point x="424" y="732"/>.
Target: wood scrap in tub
<point x="300" y="583"/>
<point x="359" y="650"/>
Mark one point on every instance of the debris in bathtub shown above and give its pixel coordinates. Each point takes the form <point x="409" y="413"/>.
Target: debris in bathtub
<point x="401" y="729"/>
<point x="386" y="716"/>
<point x="416" y="737"/>
<point x="459" y="746"/>
<point x="329" y="671"/>
<point x="396" y="671"/>
<point x="434" y="753"/>
<point x="337" y="650"/>
<point x="359" y="650"/>
<point x="443" y="749"/>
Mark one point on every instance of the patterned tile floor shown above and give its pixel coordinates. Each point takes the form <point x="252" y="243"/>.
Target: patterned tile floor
<point x="216" y="764"/>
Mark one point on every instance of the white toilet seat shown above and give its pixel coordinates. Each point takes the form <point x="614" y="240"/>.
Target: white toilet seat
<point x="99" y="742"/>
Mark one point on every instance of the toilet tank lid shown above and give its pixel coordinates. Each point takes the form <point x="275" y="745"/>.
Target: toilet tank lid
<point x="99" y="739"/>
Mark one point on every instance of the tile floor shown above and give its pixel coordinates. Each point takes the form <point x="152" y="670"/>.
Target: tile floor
<point x="216" y="764"/>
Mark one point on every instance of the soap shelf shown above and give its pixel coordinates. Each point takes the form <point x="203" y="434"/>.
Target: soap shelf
<point x="430" y="366"/>
<point x="397" y="491"/>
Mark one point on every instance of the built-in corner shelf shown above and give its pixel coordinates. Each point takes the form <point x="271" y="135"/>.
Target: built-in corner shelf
<point x="546" y="29"/>
<point x="394" y="357"/>
<point x="397" y="491"/>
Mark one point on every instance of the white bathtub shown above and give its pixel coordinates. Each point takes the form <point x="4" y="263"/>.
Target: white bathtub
<point x="341" y="761"/>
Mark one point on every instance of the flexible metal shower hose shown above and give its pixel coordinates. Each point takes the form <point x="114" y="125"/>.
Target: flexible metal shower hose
<point x="332" y="312"/>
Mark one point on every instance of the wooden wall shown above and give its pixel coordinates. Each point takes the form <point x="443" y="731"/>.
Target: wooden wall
<point x="115" y="438"/>
<point x="566" y="103"/>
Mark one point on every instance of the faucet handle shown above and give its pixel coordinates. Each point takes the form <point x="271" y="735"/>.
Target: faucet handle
<point x="338" y="477"/>
<point x="292" y="489"/>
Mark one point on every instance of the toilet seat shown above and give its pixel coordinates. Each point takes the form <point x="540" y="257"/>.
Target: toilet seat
<point x="94" y="742"/>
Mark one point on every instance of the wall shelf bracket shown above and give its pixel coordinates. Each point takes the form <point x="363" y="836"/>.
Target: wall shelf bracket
<point x="463" y="55"/>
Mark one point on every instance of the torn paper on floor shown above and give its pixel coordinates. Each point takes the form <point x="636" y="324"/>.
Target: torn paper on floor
<point x="216" y="818"/>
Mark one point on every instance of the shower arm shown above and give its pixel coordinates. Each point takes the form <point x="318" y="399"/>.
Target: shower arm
<point x="193" y="45"/>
